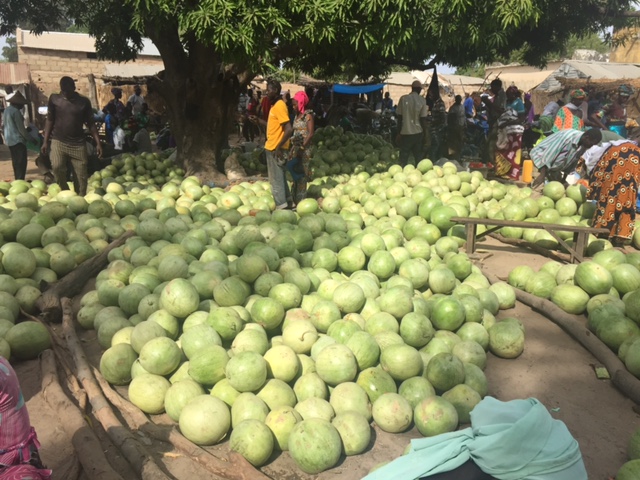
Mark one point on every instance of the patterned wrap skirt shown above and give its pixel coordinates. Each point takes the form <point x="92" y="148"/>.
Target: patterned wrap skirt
<point x="613" y="184"/>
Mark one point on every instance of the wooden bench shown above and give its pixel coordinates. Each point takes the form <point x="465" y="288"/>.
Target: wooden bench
<point x="580" y="233"/>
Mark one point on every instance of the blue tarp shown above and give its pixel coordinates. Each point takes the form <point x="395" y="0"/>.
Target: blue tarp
<point x="357" y="89"/>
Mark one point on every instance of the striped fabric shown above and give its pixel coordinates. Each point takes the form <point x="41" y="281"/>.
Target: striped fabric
<point x="557" y="151"/>
<point x="63" y="156"/>
<point x="18" y="441"/>
<point x="24" y="472"/>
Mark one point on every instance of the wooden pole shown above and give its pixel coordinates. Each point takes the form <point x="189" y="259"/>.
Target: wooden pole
<point x="237" y="468"/>
<point x="93" y="91"/>
<point x="83" y="439"/>
<point x="139" y="457"/>
<point x="71" y="284"/>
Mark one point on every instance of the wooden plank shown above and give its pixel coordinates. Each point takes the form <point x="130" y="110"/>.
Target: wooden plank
<point x="539" y="225"/>
<point x="471" y="237"/>
<point x="568" y="248"/>
<point x="580" y="242"/>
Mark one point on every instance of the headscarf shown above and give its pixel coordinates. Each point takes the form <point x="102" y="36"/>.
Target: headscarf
<point x="578" y="93"/>
<point x="625" y="90"/>
<point x="513" y="90"/>
<point x="527" y="96"/>
<point x="302" y="100"/>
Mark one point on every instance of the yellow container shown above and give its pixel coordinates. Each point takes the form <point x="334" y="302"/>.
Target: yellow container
<point x="527" y="171"/>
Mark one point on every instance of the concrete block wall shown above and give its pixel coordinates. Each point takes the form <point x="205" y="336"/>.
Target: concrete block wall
<point x="48" y="66"/>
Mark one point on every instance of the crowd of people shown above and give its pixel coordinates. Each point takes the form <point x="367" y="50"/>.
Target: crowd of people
<point x="126" y="125"/>
<point x="71" y="136"/>
<point x="588" y="140"/>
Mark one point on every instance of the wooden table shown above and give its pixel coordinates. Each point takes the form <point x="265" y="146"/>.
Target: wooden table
<point x="580" y="233"/>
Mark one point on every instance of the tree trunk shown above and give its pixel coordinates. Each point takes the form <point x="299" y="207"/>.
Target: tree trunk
<point x="201" y="96"/>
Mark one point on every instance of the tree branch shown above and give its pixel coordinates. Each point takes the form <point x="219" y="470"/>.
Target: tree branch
<point x="604" y="12"/>
<point x="167" y="41"/>
<point x="412" y="64"/>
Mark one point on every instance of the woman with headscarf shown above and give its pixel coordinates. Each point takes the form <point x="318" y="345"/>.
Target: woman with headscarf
<point x="614" y="113"/>
<point x="614" y="175"/>
<point x="570" y="116"/>
<point x="117" y="103"/>
<point x="303" y="128"/>
<point x="514" y="101"/>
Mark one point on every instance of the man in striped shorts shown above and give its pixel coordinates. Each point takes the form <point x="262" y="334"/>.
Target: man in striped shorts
<point x="67" y="115"/>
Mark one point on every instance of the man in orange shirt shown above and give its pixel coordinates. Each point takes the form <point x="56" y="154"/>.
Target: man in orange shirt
<point x="279" y="131"/>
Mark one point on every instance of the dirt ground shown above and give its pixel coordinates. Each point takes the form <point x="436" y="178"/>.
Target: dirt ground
<point x="553" y="368"/>
<point x="6" y="170"/>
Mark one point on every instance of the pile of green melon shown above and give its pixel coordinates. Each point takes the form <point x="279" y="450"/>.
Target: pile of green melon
<point x="337" y="152"/>
<point x="300" y="329"/>
<point x="136" y="171"/>
<point x="296" y="331"/>
<point x="631" y="469"/>
<point x="606" y="288"/>
<point x="279" y="330"/>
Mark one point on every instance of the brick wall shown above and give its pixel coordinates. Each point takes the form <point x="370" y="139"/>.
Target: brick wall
<point x="47" y="66"/>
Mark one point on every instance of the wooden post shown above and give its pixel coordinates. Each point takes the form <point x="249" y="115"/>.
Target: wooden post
<point x="93" y="93"/>
<point x="471" y="237"/>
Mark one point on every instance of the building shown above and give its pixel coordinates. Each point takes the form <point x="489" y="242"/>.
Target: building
<point x="628" y="49"/>
<point x="587" y="71"/>
<point x="52" y="55"/>
<point x="592" y="76"/>
<point x="399" y="84"/>
<point x="525" y="77"/>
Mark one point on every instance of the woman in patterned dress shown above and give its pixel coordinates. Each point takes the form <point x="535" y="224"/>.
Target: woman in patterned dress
<point x="613" y="184"/>
<point x="303" y="128"/>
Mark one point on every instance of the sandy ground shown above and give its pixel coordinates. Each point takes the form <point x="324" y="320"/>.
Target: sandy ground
<point x="553" y="368"/>
<point x="6" y="170"/>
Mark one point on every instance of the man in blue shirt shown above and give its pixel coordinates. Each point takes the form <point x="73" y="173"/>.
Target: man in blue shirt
<point x="469" y="107"/>
<point x="16" y="135"/>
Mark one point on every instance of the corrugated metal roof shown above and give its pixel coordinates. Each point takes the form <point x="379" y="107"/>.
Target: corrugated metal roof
<point x="71" y="42"/>
<point x="129" y="70"/>
<point x="14" y="73"/>
<point x="590" y="70"/>
<point x="597" y="70"/>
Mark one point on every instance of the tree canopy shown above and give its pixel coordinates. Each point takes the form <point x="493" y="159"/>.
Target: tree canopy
<point x="10" y="50"/>
<point x="212" y="48"/>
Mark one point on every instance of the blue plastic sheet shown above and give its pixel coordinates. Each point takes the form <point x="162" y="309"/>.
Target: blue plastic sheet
<point x="357" y="89"/>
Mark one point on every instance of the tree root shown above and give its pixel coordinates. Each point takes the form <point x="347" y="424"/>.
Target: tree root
<point x="73" y="283"/>
<point x="236" y="468"/>
<point x="83" y="439"/>
<point x="139" y="458"/>
<point x="71" y="470"/>
<point x="574" y="326"/>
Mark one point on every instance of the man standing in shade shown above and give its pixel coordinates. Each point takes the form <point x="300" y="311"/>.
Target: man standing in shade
<point x="279" y="130"/>
<point x="16" y="135"/>
<point x="68" y="113"/>
<point x="136" y="100"/>
<point x="412" y="115"/>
